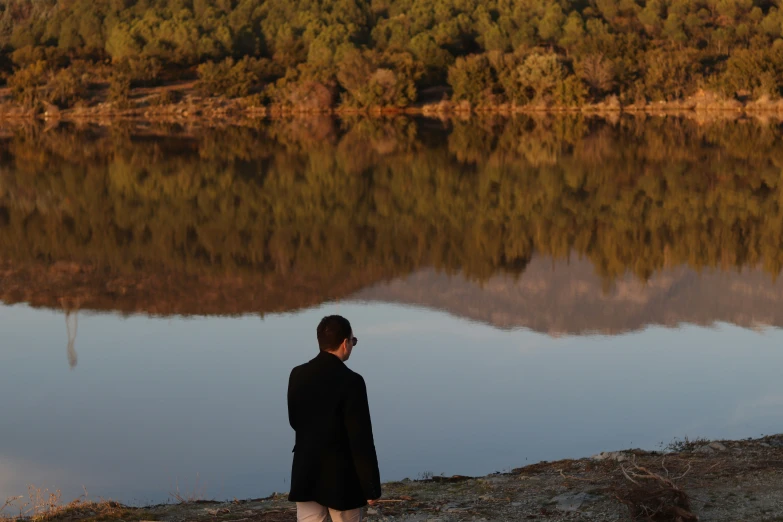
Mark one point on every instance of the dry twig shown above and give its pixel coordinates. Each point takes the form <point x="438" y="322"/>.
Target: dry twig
<point x="654" y="497"/>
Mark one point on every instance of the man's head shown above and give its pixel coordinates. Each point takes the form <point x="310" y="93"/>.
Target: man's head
<point x="336" y="336"/>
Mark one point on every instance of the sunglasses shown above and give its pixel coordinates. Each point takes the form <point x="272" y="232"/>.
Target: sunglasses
<point x="354" y="340"/>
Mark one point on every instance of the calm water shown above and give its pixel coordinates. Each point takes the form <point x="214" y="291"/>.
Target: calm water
<point x="523" y="290"/>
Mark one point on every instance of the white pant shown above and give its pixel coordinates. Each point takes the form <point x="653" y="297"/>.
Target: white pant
<point x="315" y="512"/>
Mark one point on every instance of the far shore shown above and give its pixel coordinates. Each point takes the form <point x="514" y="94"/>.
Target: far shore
<point x="182" y="103"/>
<point x="727" y="481"/>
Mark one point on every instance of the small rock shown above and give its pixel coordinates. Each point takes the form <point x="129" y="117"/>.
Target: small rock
<point x="764" y="444"/>
<point x="372" y="511"/>
<point x="717" y="446"/>
<point x="617" y="456"/>
<point x="705" y="449"/>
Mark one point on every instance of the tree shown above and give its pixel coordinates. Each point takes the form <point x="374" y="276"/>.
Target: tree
<point x="539" y="75"/>
<point x="25" y="83"/>
<point x="551" y="26"/>
<point x="471" y="79"/>
<point x="669" y="75"/>
<point x="227" y="78"/>
<point x="756" y="74"/>
<point x="597" y="72"/>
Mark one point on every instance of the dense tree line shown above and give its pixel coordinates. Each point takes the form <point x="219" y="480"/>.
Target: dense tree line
<point x="315" y="54"/>
<point x="324" y="197"/>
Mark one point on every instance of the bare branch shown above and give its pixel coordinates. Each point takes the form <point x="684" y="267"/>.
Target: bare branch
<point x="629" y="478"/>
<point x="8" y="502"/>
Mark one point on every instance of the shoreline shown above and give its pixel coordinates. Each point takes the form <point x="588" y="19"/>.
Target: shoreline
<point x="156" y="104"/>
<point x="225" y="118"/>
<point x="726" y="480"/>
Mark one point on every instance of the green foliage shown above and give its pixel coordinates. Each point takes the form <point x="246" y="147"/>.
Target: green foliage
<point x="540" y="75"/>
<point x="471" y="79"/>
<point x="227" y="78"/>
<point x="370" y="80"/>
<point x="26" y="83"/>
<point x="646" y="49"/>
<point x="29" y="55"/>
<point x="570" y="92"/>
<point x="669" y="75"/>
<point x="120" y="89"/>
<point x="142" y="70"/>
<point x="753" y="73"/>
<point x="66" y="87"/>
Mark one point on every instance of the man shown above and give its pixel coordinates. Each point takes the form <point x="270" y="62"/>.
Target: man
<point x="335" y="467"/>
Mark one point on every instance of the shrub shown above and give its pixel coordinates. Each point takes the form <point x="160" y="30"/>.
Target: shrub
<point x="539" y="75"/>
<point x="29" y="55"/>
<point x="303" y="89"/>
<point x="471" y="79"/>
<point x="755" y="73"/>
<point x="120" y="89"/>
<point x="371" y="80"/>
<point x="311" y="96"/>
<point x="141" y="70"/>
<point x="570" y="92"/>
<point x="66" y="87"/>
<point x="226" y="78"/>
<point x="26" y="83"/>
<point x="598" y="74"/>
<point x="669" y="75"/>
<point x="167" y="98"/>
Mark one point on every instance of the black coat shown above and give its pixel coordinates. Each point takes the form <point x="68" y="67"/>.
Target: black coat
<point x="334" y="456"/>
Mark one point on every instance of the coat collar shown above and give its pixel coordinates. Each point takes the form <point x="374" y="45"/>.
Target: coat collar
<point x="328" y="358"/>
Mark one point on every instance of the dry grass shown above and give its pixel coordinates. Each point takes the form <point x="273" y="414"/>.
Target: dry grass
<point x="36" y="505"/>
<point x="42" y="505"/>
<point x="197" y="495"/>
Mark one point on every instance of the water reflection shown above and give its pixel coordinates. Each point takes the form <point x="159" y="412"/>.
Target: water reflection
<point x="568" y="298"/>
<point x="296" y="213"/>
<point x="158" y="402"/>
<point x="72" y="325"/>
<point x="534" y="235"/>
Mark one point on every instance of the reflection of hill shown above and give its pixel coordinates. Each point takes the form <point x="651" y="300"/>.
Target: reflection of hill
<point x="568" y="298"/>
<point x="553" y="297"/>
<point x="75" y="286"/>
<point x="294" y="213"/>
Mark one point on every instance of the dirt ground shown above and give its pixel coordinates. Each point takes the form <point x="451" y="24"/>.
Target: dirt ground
<point x="726" y="481"/>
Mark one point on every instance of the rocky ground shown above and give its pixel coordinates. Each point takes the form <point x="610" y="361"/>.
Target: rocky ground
<point x="707" y="481"/>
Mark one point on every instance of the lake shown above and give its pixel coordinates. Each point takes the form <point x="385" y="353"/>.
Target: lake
<point x="522" y="289"/>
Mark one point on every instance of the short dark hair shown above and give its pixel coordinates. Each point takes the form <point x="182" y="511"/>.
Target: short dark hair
<point x="332" y="331"/>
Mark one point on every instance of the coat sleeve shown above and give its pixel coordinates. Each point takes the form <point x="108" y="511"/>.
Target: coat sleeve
<point x="359" y="428"/>
<point x="288" y="399"/>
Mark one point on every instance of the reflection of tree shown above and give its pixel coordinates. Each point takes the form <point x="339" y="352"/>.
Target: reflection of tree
<point x="389" y="196"/>
<point x="71" y="325"/>
<point x="70" y="306"/>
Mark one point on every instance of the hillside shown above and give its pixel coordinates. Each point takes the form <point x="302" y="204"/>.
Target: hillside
<point x="356" y="54"/>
